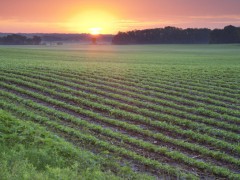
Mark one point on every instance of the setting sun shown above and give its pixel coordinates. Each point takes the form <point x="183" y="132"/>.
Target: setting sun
<point x="95" y="31"/>
<point x="93" y="21"/>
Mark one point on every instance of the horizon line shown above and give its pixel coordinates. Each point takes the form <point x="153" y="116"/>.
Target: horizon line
<point x="118" y="31"/>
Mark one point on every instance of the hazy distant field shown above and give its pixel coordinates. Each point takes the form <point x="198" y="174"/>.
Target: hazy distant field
<point x="166" y="109"/>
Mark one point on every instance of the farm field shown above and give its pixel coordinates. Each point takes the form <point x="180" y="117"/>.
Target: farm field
<point x="170" y="111"/>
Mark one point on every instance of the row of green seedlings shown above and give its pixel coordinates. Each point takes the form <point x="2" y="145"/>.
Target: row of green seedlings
<point x="94" y="129"/>
<point x="134" y="73"/>
<point x="148" y="146"/>
<point x="178" y="97"/>
<point x="89" y="104"/>
<point x="138" y="130"/>
<point x="112" y="163"/>
<point x="167" y="87"/>
<point x="203" y="138"/>
<point x="175" y="89"/>
<point x="51" y="82"/>
<point x="117" y="94"/>
<point x="230" y="113"/>
<point x="183" y="82"/>
<point x="189" y="81"/>
<point x="92" y="140"/>
<point x="147" y="78"/>
<point x="163" y="102"/>
<point x="174" y="86"/>
<point x="199" y="108"/>
<point x="138" y="79"/>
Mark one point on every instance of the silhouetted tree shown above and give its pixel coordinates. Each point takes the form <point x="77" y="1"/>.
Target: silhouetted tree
<point x="94" y="40"/>
<point x="229" y="34"/>
<point x="173" y="35"/>
<point x="36" y="40"/>
<point x="16" y="39"/>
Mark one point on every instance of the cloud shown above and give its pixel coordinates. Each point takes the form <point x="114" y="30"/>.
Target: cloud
<point x="233" y="17"/>
<point x="138" y="24"/>
<point x="15" y="26"/>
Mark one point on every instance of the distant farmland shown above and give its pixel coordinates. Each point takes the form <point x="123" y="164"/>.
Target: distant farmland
<point x="166" y="110"/>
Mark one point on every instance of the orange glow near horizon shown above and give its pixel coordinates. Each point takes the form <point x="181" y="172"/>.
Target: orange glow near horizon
<point x="111" y="16"/>
<point x="93" y="22"/>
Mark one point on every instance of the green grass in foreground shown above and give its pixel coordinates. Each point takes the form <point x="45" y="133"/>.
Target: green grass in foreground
<point x="29" y="151"/>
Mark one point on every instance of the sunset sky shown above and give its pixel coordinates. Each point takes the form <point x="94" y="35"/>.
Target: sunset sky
<point x="111" y="16"/>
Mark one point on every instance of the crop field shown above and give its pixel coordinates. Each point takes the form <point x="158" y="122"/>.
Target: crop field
<point x="171" y="111"/>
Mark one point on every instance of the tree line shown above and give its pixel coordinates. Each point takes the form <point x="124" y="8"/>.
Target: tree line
<point x="229" y="34"/>
<point x="173" y="35"/>
<point x="16" y="39"/>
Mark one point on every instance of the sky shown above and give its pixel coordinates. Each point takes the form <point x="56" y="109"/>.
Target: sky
<point x="111" y="16"/>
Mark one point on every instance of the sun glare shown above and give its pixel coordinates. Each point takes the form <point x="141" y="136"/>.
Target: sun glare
<point x="94" y="22"/>
<point x="95" y="31"/>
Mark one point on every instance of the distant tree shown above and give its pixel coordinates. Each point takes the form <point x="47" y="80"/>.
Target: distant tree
<point x="173" y="35"/>
<point x="94" y="40"/>
<point x="229" y="34"/>
<point x="36" y="40"/>
<point x="216" y="36"/>
<point x="16" y="39"/>
<point x="167" y="35"/>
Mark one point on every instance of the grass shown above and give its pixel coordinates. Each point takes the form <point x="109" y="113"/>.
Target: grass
<point x="168" y="110"/>
<point x="29" y="151"/>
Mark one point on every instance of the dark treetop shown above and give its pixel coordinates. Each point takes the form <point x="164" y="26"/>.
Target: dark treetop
<point x="173" y="35"/>
<point x="16" y="39"/>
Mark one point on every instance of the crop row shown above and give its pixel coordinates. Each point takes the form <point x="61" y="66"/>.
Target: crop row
<point x="122" y="90"/>
<point x="146" y="78"/>
<point x="132" y="128"/>
<point x="148" y="146"/>
<point x="179" y="121"/>
<point x="203" y="138"/>
<point x="166" y="87"/>
<point x="177" y="97"/>
<point x="89" y="139"/>
<point x="129" y="127"/>
<point x="161" y="88"/>
<point x="199" y="88"/>
<point x="186" y="82"/>
<point x="174" y="101"/>
<point x="151" y="76"/>
<point x="175" y="89"/>
<point x="172" y="85"/>
<point x="198" y="81"/>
